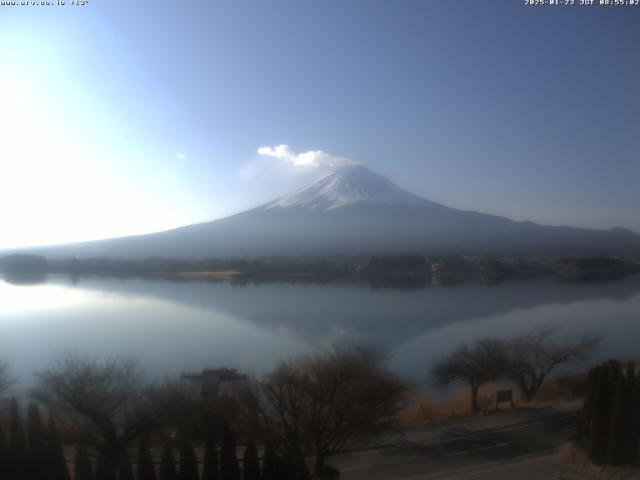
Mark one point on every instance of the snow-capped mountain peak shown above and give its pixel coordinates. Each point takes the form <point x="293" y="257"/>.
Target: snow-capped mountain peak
<point x="348" y="185"/>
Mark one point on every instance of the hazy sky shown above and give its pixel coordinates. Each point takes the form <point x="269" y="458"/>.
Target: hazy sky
<point x="123" y="117"/>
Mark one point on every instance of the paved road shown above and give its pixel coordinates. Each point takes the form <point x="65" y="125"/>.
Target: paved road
<point x="510" y="446"/>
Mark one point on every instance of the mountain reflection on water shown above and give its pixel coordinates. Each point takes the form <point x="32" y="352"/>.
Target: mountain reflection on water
<point x="175" y="326"/>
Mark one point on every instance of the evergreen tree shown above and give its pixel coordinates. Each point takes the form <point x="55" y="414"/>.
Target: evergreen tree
<point x="168" y="464"/>
<point x="635" y="421"/>
<point x="125" y="472"/>
<point x="229" y="468"/>
<point x="618" y="435"/>
<point x="104" y="469"/>
<point x="210" y="467"/>
<point x="250" y="462"/>
<point x="37" y="443"/>
<point x="188" y="464"/>
<point x="630" y="414"/>
<point x="36" y="432"/>
<point x="57" y="463"/>
<point x="270" y="464"/>
<point x="287" y="469"/>
<point x="589" y="400"/>
<point x="83" y="470"/>
<point x="612" y="414"/>
<point x="18" y="463"/>
<point x="5" y="455"/>
<point x="598" y="434"/>
<point x="145" y="469"/>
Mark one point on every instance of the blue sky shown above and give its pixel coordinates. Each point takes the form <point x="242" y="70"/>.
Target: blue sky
<point x="127" y="117"/>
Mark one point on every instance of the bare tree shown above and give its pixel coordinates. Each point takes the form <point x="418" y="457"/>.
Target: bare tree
<point x="318" y="405"/>
<point x="533" y="355"/>
<point x="188" y="412"/>
<point x="482" y="362"/>
<point x="104" y="399"/>
<point x="6" y="380"/>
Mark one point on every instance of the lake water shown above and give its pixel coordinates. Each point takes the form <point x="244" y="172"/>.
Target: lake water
<point x="190" y="325"/>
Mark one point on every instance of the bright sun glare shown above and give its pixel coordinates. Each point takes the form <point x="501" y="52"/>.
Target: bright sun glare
<point x="53" y="188"/>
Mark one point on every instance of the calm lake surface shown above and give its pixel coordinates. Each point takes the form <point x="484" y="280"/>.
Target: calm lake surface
<point x="187" y="326"/>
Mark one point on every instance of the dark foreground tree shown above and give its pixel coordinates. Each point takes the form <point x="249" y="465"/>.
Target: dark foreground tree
<point x="250" y="462"/>
<point x="125" y="472"/>
<point x="610" y="414"/>
<point x="5" y="456"/>
<point x="535" y="354"/>
<point x="270" y="464"/>
<point x="321" y="404"/>
<point x="287" y="469"/>
<point x="229" y="468"/>
<point x="210" y="463"/>
<point x="16" y="437"/>
<point x="144" y="467"/>
<point x="58" y="469"/>
<point x="168" y="464"/>
<point x="103" y="399"/>
<point x="83" y="470"/>
<point x="634" y="422"/>
<point x="619" y="421"/>
<point x="482" y="362"/>
<point x="188" y="465"/>
<point x="105" y="469"/>
<point x="38" y="462"/>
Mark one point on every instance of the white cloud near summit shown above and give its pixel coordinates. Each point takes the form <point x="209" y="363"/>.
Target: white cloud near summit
<point x="311" y="159"/>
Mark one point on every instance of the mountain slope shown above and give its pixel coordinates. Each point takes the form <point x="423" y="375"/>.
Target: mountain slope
<point x="355" y="210"/>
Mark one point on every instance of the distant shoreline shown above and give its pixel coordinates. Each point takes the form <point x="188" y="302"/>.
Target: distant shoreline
<point x="392" y="270"/>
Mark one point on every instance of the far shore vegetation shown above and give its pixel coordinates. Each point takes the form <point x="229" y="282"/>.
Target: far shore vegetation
<point x="410" y="271"/>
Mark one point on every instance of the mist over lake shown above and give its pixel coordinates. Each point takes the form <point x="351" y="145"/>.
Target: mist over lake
<point x="172" y="327"/>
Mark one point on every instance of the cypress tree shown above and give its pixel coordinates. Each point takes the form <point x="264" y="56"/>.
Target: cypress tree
<point x="57" y="462"/>
<point x="287" y="469"/>
<point x="598" y="438"/>
<point x="104" y="469"/>
<point x="618" y="435"/>
<point x="589" y="398"/>
<point x="18" y="463"/>
<point x="5" y="455"/>
<point x="36" y="431"/>
<point x="229" y="468"/>
<point x="145" y="469"/>
<point x="37" y="442"/>
<point x="82" y="468"/>
<point x="250" y="462"/>
<point x="270" y="464"/>
<point x="168" y="464"/>
<point x="125" y="472"/>
<point x="635" y="421"/>
<point x="188" y="463"/>
<point x="630" y="413"/>
<point x="612" y="414"/>
<point x="210" y="467"/>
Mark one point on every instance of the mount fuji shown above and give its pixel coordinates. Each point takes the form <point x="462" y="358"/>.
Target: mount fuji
<point x="356" y="211"/>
